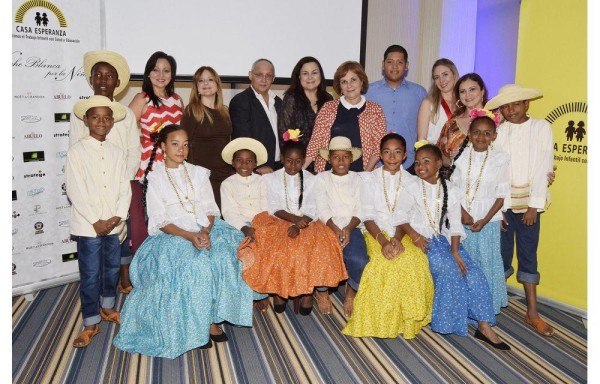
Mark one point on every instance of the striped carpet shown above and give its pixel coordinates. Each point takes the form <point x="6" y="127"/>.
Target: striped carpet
<point x="294" y="349"/>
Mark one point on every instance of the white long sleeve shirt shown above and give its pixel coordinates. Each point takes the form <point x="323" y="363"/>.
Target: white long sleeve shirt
<point x="242" y="198"/>
<point x="97" y="185"/>
<point x="124" y="133"/>
<point x="531" y="149"/>
<point x="338" y="197"/>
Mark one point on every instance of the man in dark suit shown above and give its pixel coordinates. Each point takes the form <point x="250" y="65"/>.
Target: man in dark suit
<point x="254" y="112"/>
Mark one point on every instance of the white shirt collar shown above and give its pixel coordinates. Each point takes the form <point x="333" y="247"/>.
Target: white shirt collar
<point x="347" y="105"/>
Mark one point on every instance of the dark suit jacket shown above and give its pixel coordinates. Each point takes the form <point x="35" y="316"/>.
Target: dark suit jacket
<point x="249" y="119"/>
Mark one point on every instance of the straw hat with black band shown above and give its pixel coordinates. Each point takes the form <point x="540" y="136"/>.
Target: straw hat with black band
<point x="247" y="143"/>
<point x="341" y="143"/>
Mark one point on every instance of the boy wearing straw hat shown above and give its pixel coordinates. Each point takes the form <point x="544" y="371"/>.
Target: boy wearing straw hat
<point x="337" y="193"/>
<point x="107" y="72"/>
<point x="99" y="190"/>
<point x="530" y="144"/>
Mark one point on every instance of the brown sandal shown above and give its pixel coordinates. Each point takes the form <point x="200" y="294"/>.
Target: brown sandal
<point x="85" y="337"/>
<point x="113" y="317"/>
<point x="324" y="302"/>
<point x="540" y="326"/>
<point x="125" y="289"/>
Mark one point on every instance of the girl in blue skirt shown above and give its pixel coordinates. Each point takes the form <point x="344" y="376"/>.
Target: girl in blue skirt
<point x="186" y="274"/>
<point x="430" y="215"/>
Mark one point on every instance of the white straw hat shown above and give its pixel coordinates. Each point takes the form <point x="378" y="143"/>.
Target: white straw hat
<point x="245" y="143"/>
<point x="81" y="107"/>
<point x="113" y="58"/>
<point x="511" y="93"/>
<point x="341" y="143"/>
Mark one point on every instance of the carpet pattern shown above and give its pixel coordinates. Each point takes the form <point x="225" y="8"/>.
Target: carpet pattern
<point x="289" y="348"/>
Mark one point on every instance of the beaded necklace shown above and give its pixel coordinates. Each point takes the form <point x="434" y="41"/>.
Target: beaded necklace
<point x="436" y="218"/>
<point x="470" y="198"/>
<point x="176" y="188"/>
<point x="387" y="201"/>
<point x="287" y="204"/>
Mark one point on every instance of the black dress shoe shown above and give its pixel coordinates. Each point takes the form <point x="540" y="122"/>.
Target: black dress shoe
<point x="207" y="345"/>
<point x="501" y="345"/>
<point x="219" y="338"/>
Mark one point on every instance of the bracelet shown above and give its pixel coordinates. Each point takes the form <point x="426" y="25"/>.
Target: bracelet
<point x="205" y="230"/>
<point x="418" y="238"/>
<point x="376" y="237"/>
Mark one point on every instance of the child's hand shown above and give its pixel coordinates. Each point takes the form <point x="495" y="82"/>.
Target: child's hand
<point x="303" y="222"/>
<point x="461" y="264"/>
<point x="293" y="231"/>
<point x="113" y="222"/>
<point x="194" y="238"/>
<point x="398" y="247"/>
<point x="248" y="232"/>
<point x="102" y="227"/>
<point x="422" y="243"/>
<point x="530" y="217"/>
<point x="388" y="250"/>
<point x="503" y="223"/>
<point x="466" y="218"/>
<point x="478" y="225"/>
<point x="204" y="239"/>
<point x="345" y="239"/>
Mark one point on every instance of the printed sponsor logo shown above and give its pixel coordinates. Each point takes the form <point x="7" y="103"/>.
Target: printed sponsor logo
<point x="33" y="156"/>
<point x="62" y="96"/>
<point x="66" y="257"/>
<point x="61" y="154"/>
<point x="64" y="188"/>
<point x="15" y="231"/>
<point x="15" y="214"/>
<point x="63" y="223"/>
<point x="62" y="117"/>
<point x="14" y="195"/>
<point x="29" y="96"/>
<point x="39" y="245"/>
<point x="33" y="135"/>
<point x="14" y="269"/>
<point x="62" y="134"/>
<point x="35" y="191"/>
<point x="30" y="119"/>
<point x="38" y="210"/>
<point x="84" y="97"/>
<point x="64" y="206"/>
<point x="41" y="263"/>
<point x="45" y="22"/>
<point x="569" y="123"/>
<point x="67" y="240"/>
<point x="38" y="227"/>
<point x="38" y="174"/>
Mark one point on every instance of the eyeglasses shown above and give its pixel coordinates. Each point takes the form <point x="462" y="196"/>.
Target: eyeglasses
<point x="264" y="76"/>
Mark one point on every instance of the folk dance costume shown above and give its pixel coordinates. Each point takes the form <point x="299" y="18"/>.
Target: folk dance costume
<point x="395" y="296"/>
<point x="180" y="290"/>
<point x="458" y="300"/>
<point x="484" y="177"/>
<point x="278" y="264"/>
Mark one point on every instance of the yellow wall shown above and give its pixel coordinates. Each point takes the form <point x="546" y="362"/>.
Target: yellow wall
<point x="552" y="57"/>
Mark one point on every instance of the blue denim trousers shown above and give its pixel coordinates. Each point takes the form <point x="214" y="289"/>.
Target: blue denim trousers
<point x="99" y="260"/>
<point x="527" y="239"/>
<point x="125" y="249"/>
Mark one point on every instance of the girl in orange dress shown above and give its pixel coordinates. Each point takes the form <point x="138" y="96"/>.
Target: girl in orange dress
<point x="292" y="254"/>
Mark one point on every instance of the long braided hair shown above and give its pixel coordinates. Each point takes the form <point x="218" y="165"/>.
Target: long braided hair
<point x="291" y="145"/>
<point x="463" y="145"/>
<point x="158" y="137"/>
<point x="435" y="151"/>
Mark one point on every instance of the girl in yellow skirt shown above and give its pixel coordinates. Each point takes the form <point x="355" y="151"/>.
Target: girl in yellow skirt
<point x="291" y="254"/>
<point x="396" y="289"/>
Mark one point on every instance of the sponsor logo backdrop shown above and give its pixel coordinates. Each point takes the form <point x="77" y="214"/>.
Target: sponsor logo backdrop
<point x="552" y="57"/>
<point x="49" y="40"/>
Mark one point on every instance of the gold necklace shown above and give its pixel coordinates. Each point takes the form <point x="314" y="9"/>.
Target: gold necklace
<point x="472" y="198"/>
<point x="287" y="204"/>
<point x="176" y="187"/>
<point x="387" y="201"/>
<point x="436" y="218"/>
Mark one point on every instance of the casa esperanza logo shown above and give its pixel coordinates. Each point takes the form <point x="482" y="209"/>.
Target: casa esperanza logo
<point x="41" y="20"/>
<point x="569" y="124"/>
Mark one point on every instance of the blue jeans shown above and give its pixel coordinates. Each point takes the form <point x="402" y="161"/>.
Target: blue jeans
<point x="527" y="238"/>
<point x="125" y="249"/>
<point x="99" y="260"/>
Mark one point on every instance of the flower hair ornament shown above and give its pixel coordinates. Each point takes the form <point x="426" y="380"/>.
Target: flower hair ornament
<point x="475" y="113"/>
<point x="292" y="135"/>
<point x="420" y="143"/>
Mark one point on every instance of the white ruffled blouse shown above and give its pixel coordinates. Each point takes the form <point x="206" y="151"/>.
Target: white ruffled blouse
<point x="279" y="200"/>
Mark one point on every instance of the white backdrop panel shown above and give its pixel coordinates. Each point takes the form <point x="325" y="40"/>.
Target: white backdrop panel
<point x="229" y="35"/>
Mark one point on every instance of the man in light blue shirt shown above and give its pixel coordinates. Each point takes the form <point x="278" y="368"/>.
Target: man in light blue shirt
<point x="399" y="98"/>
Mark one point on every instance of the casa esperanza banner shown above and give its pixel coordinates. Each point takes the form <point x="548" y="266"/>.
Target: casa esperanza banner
<point x="48" y="43"/>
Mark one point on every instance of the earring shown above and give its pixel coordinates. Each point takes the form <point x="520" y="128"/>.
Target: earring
<point x="437" y="173"/>
<point x="457" y="103"/>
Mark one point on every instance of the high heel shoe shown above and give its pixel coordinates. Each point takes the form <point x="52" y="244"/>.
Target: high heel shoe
<point x="219" y="338"/>
<point x="207" y="345"/>
<point x="501" y="345"/>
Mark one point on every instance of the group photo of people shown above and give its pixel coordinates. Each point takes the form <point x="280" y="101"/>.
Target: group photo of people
<point x="408" y="199"/>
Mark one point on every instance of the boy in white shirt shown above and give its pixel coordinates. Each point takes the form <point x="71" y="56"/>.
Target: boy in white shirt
<point x="530" y="144"/>
<point x="99" y="190"/>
